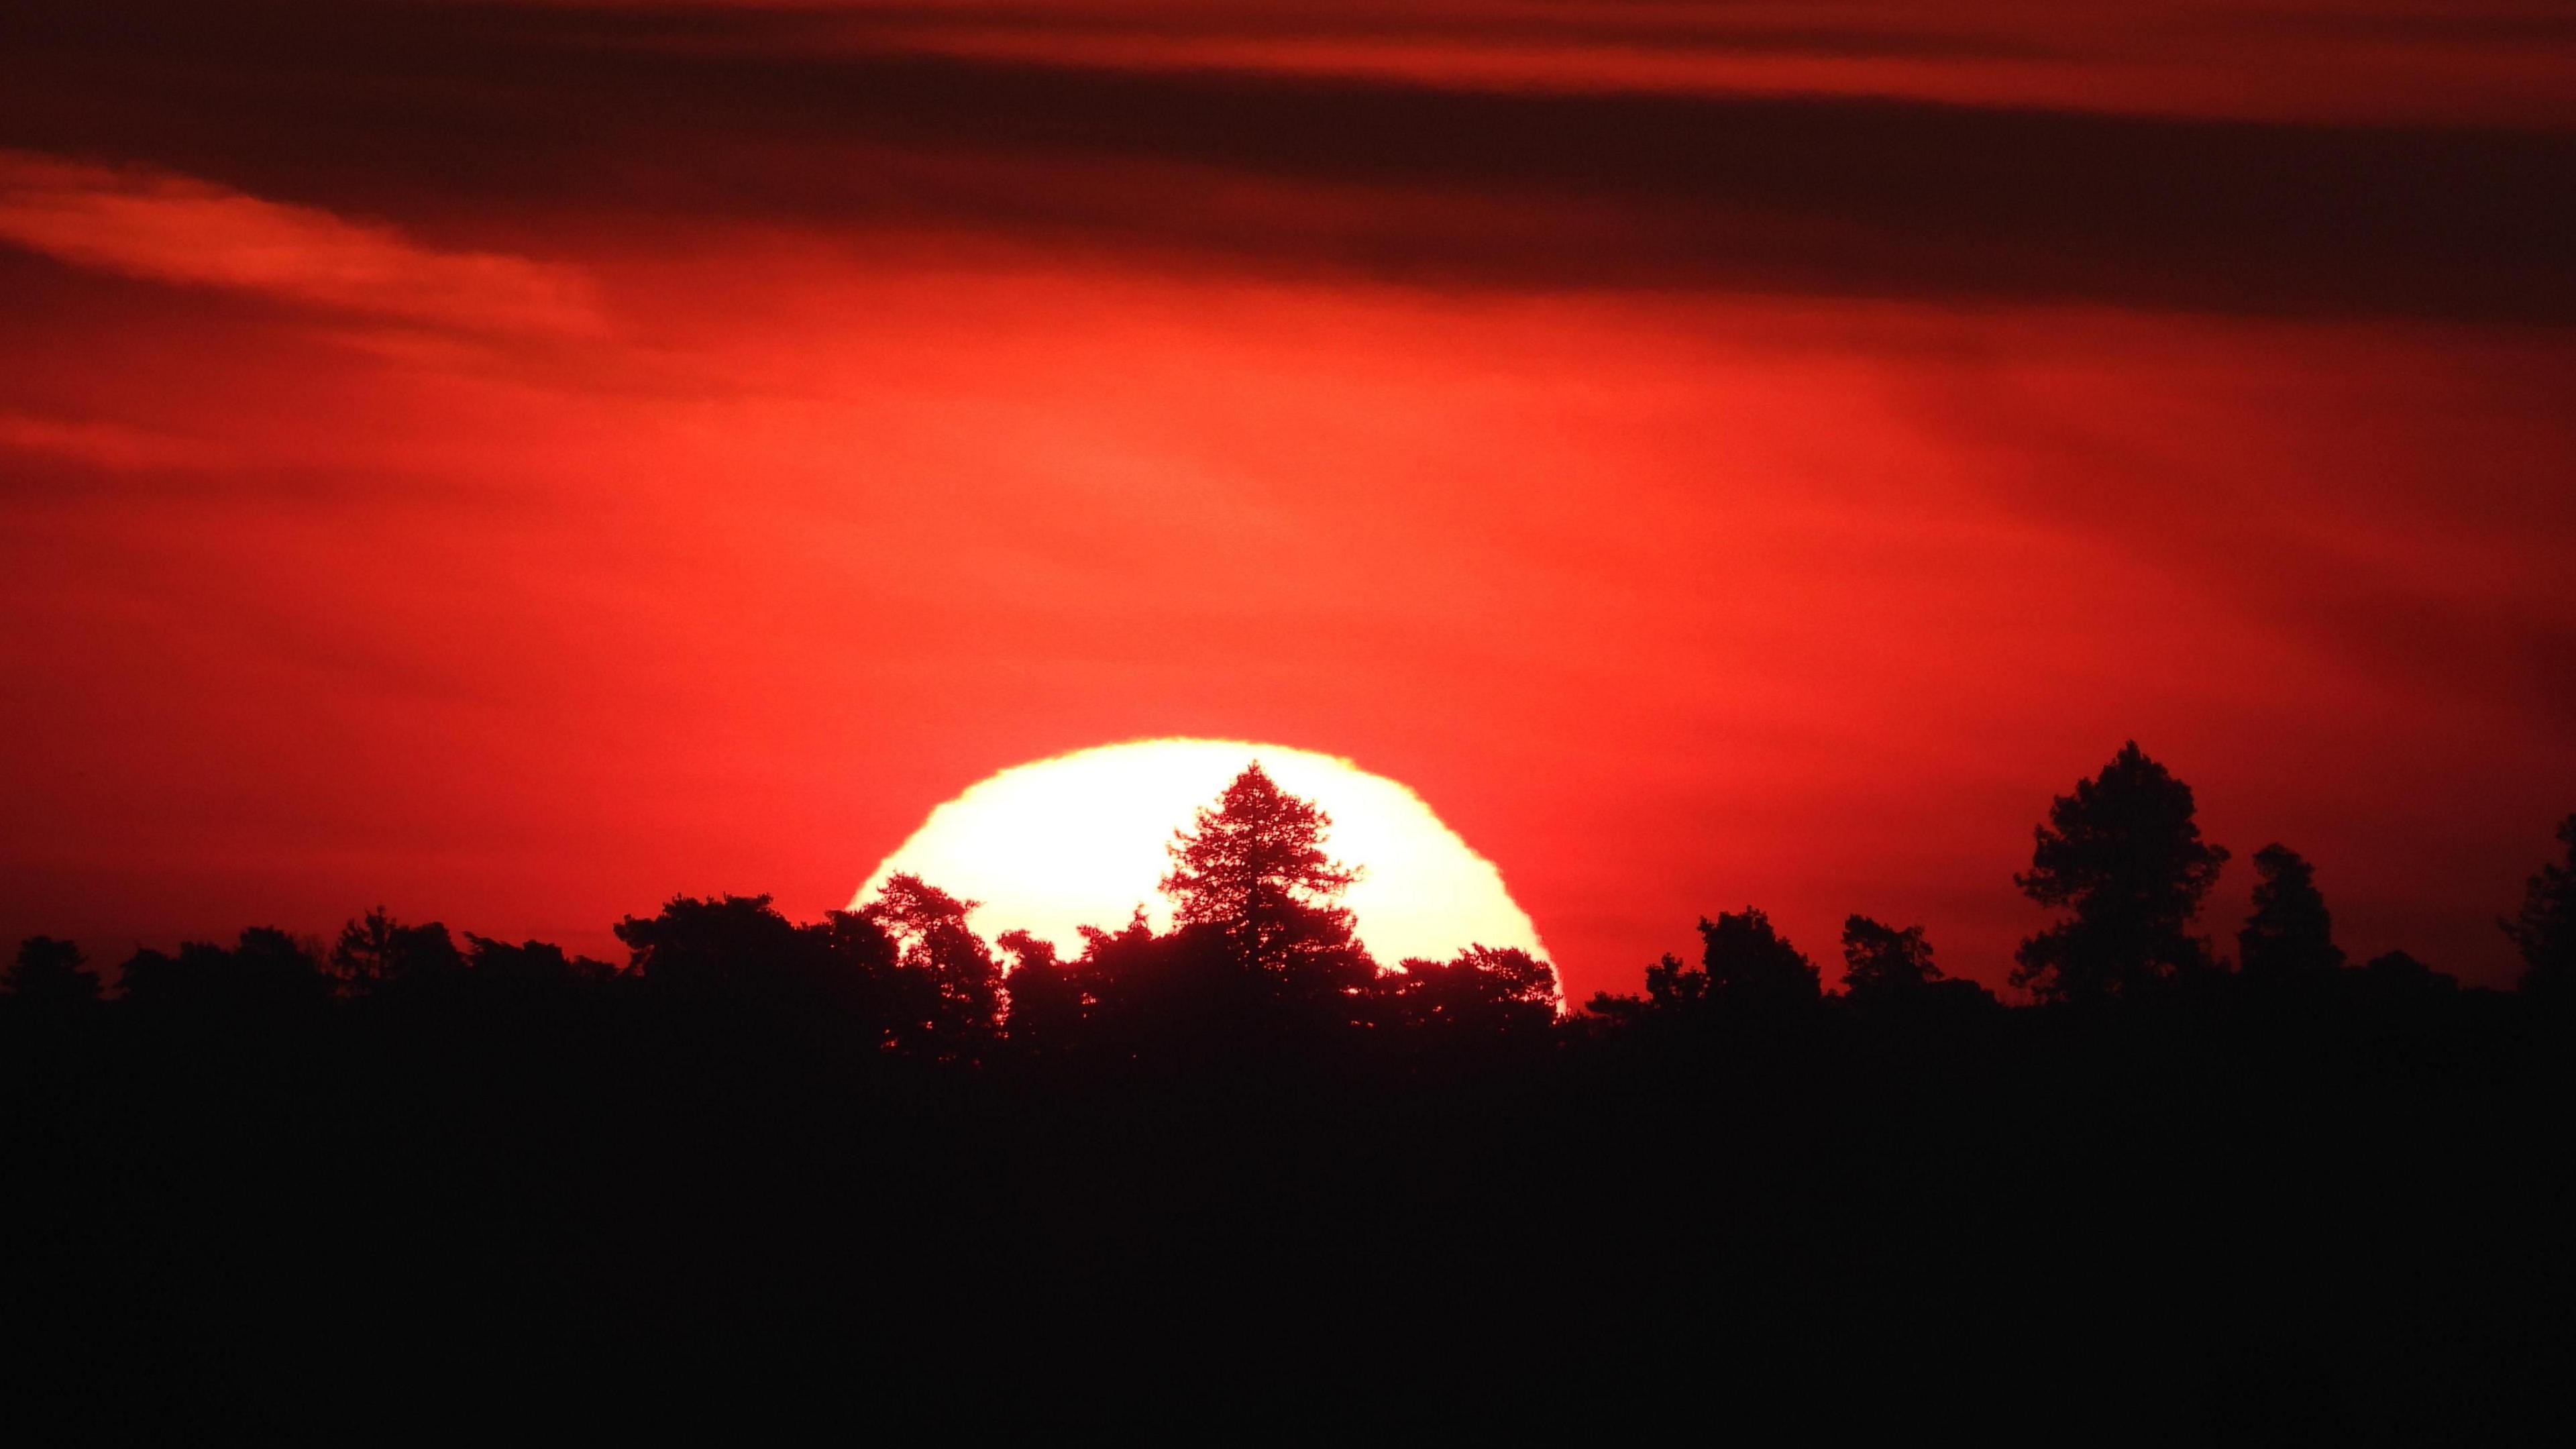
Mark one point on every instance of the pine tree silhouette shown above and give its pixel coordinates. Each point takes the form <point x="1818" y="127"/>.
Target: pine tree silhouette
<point x="2125" y="856"/>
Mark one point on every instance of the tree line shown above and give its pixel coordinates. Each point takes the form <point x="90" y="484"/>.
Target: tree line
<point x="1262" y="945"/>
<point x="1235" y="1172"/>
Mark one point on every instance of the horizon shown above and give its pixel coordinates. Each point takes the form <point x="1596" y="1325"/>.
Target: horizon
<point x="1076" y="803"/>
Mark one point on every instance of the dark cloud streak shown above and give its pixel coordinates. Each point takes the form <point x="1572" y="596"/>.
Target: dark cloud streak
<point x="471" y="116"/>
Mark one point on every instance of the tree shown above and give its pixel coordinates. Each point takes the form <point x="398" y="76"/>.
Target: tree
<point x="2398" y="973"/>
<point x="1255" y="867"/>
<point x="1666" y="979"/>
<point x="858" y="962"/>
<point x="51" y="975"/>
<point x="2290" y="935"/>
<point x="529" y="966"/>
<point x="2124" y="854"/>
<point x="1889" y="974"/>
<point x="931" y="939"/>
<point x="1250" y="877"/>
<point x="873" y="976"/>
<point x="376" y="951"/>
<point x="1880" y="959"/>
<point x="1749" y="965"/>
<point x="1745" y="966"/>
<point x="1672" y="984"/>
<point x="1510" y="977"/>
<point x="1046" y="995"/>
<point x="1181" y="997"/>
<point x="736" y="947"/>
<point x="2545" y="928"/>
<point x="1483" y="991"/>
<point x="266" y="970"/>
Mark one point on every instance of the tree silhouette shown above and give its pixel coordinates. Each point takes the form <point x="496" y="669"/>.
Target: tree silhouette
<point x="1889" y="974"/>
<point x="1255" y="867"/>
<point x="903" y="973"/>
<point x="2125" y="855"/>
<point x="52" y="975"/>
<point x="529" y="966"/>
<point x="1483" y="991"/>
<point x="376" y="951"/>
<point x="2545" y="928"/>
<point x="2398" y="973"/>
<point x="1510" y="975"/>
<point x="1880" y="959"/>
<point x="1253" y="872"/>
<point x="730" y="946"/>
<point x="1148" y="993"/>
<point x="932" y="941"/>
<point x="858" y="960"/>
<point x="1673" y="985"/>
<point x="704" y="1157"/>
<point x="1745" y="968"/>
<point x="1045" y="991"/>
<point x="266" y="971"/>
<point x="1183" y="996"/>
<point x="2290" y="935"/>
<point x="1750" y="966"/>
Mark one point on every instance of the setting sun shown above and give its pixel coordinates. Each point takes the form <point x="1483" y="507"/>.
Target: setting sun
<point x="1080" y="840"/>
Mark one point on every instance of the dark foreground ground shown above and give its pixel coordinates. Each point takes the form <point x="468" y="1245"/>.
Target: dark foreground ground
<point x="2183" y="1225"/>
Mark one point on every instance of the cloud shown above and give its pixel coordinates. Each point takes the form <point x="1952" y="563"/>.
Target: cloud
<point x="162" y="227"/>
<point x="630" y="116"/>
<point x="112" y="446"/>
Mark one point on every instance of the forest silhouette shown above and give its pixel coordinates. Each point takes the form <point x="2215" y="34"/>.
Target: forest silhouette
<point x="1239" y="1174"/>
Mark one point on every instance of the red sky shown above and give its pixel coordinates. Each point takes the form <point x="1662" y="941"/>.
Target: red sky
<point x="516" y="462"/>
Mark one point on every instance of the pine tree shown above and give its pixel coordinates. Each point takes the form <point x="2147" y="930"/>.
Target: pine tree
<point x="1254" y="867"/>
<point x="2124" y="854"/>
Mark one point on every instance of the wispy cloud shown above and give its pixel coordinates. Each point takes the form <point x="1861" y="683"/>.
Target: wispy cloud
<point x="113" y="446"/>
<point x="171" y="228"/>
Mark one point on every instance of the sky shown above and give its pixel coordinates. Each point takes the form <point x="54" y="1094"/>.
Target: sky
<point x="515" y="462"/>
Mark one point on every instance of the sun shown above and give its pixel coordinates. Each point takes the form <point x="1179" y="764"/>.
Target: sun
<point x="1079" y="840"/>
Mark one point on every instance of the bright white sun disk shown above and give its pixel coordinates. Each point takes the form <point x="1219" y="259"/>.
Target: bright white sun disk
<point x="1080" y="840"/>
